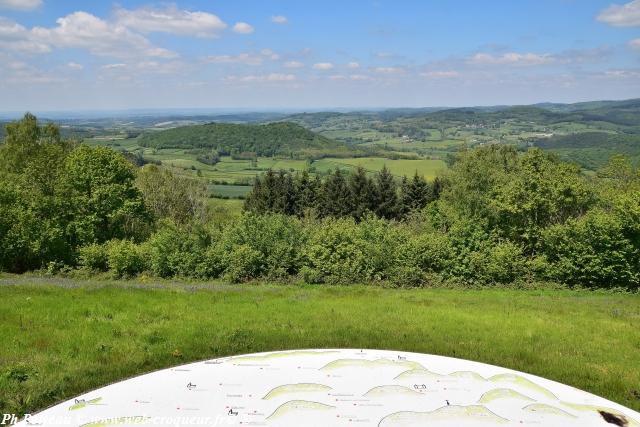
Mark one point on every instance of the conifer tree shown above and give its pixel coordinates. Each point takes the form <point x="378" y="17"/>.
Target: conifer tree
<point x="307" y="193"/>
<point x="386" y="195"/>
<point x="335" y="196"/>
<point x="418" y="193"/>
<point x="270" y="190"/>
<point x="436" y="188"/>
<point x="361" y="192"/>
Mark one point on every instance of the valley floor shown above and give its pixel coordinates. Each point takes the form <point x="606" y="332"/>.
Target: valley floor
<point x="62" y="337"/>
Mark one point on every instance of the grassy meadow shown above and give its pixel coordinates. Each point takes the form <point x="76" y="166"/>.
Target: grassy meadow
<point x="230" y="171"/>
<point x="62" y="337"/>
<point x="427" y="168"/>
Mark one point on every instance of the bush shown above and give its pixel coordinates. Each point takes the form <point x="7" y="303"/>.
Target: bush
<point x="430" y="252"/>
<point x="177" y="252"/>
<point x="502" y="262"/>
<point x="275" y="241"/>
<point x="243" y="263"/>
<point x="93" y="257"/>
<point x="125" y="258"/>
<point x="592" y="251"/>
<point x="341" y="251"/>
<point x="214" y="262"/>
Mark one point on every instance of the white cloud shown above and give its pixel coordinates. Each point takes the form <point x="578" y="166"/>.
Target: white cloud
<point x="635" y="43"/>
<point x="323" y="66"/>
<point x="626" y="15"/>
<point x="20" y="4"/>
<point x="440" y="74"/>
<point x="622" y="74"/>
<point x="134" y="68"/>
<point x="279" y="19"/>
<point x="337" y="77"/>
<point x="270" y="54"/>
<point x="389" y="70"/>
<point x="511" y="58"/>
<point x="14" y="36"/>
<point x="75" y="66"/>
<point x="86" y="31"/>
<point x="273" y="77"/>
<point x="241" y="58"/>
<point x="243" y="28"/>
<point x="277" y="77"/>
<point x="353" y="65"/>
<point x="114" y="66"/>
<point x="19" y="72"/>
<point x="293" y="64"/>
<point x="10" y="29"/>
<point x="244" y="58"/>
<point x="358" y="77"/>
<point x="171" y="20"/>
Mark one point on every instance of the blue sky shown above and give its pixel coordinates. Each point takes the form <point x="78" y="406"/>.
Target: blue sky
<point x="285" y="54"/>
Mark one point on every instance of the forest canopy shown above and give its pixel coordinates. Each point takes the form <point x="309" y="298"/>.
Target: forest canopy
<point x="228" y="138"/>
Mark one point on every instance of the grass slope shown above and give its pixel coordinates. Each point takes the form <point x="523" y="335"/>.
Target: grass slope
<point x="62" y="337"/>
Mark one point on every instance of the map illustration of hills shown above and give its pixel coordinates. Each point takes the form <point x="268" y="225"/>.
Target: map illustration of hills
<point x="337" y="388"/>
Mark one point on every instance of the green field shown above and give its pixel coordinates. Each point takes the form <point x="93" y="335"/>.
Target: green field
<point x="229" y="191"/>
<point x="425" y="167"/>
<point x="232" y="171"/>
<point x="62" y="337"/>
<point x="224" y="209"/>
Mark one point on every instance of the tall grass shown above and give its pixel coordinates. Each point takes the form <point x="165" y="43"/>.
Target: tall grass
<point x="62" y="337"/>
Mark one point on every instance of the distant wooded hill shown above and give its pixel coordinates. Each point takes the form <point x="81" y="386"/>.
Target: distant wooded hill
<point x="227" y="138"/>
<point x="625" y="113"/>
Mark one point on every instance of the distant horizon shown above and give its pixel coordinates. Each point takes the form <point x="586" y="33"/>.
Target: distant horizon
<point x="210" y="111"/>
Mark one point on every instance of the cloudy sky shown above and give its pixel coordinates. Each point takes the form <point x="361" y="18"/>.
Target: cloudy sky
<point x="292" y="54"/>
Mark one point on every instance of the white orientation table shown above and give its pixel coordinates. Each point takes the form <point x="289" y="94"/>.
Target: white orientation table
<point x="326" y="388"/>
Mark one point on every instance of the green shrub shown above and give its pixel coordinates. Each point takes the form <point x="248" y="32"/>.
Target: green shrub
<point x="93" y="257"/>
<point x="276" y="240"/>
<point x="341" y="251"/>
<point x="214" y="262"/>
<point x="502" y="262"/>
<point x="177" y="252"/>
<point x="125" y="258"/>
<point x="431" y="252"/>
<point x="592" y="251"/>
<point x="407" y="276"/>
<point x="243" y="263"/>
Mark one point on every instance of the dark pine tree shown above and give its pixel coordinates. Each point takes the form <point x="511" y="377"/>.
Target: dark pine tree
<point x="386" y="195"/>
<point x="255" y="201"/>
<point x="362" y="193"/>
<point x="270" y="190"/>
<point x="288" y="194"/>
<point x="418" y="194"/>
<point x="335" y="196"/>
<point x="307" y="193"/>
<point x="436" y="189"/>
<point x="403" y="200"/>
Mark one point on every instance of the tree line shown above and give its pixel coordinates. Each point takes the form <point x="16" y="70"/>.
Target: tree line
<point x="498" y="216"/>
<point x="341" y="194"/>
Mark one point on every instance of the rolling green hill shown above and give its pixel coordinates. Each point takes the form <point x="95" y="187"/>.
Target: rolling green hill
<point x="592" y="149"/>
<point x="288" y="139"/>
